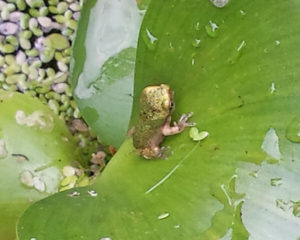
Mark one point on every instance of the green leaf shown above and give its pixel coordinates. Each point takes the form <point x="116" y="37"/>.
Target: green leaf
<point x="33" y="150"/>
<point x="242" y="182"/>
<point x="103" y="66"/>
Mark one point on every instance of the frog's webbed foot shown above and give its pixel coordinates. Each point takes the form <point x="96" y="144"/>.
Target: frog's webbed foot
<point x="178" y="127"/>
<point x="165" y="152"/>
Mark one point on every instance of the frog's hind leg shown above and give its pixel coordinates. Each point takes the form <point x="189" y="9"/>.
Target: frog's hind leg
<point x="156" y="151"/>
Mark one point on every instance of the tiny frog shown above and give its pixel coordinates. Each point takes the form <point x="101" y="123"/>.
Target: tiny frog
<point x="156" y="107"/>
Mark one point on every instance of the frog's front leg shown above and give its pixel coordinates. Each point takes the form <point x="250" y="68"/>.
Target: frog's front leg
<point x="178" y="127"/>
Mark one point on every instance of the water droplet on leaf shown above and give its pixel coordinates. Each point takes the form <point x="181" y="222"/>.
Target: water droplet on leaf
<point x="171" y="46"/>
<point x="92" y="193"/>
<point x="272" y="88"/>
<point x="219" y="3"/>
<point x="237" y="53"/>
<point x="242" y="12"/>
<point x="150" y="40"/>
<point x="211" y="29"/>
<point x="241" y="46"/>
<point x="74" y="194"/>
<point x="196" y="43"/>
<point x="163" y="216"/>
<point x="197" y="26"/>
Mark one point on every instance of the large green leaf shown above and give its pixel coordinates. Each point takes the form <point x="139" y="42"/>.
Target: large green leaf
<point x="103" y="65"/>
<point x="237" y="69"/>
<point x="34" y="146"/>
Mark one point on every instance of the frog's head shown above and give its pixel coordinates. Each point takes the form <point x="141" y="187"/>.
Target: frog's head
<point x="157" y="102"/>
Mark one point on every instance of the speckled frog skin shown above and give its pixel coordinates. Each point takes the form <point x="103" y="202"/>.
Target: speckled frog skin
<point x="156" y="107"/>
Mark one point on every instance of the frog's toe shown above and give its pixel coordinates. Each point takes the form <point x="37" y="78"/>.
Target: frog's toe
<point x="190" y="114"/>
<point x="185" y="117"/>
<point x="182" y="118"/>
<point x="190" y="124"/>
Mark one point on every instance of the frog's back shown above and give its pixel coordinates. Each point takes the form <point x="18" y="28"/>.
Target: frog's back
<point x="144" y="132"/>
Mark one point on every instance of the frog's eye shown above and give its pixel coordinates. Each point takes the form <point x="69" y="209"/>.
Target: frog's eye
<point x="171" y="104"/>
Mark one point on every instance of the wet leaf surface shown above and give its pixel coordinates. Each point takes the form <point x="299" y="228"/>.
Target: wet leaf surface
<point x="103" y="65"/>
<point x="242" y="84"/>
<point x="33" y="150"/>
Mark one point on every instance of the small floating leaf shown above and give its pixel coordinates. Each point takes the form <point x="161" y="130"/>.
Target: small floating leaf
<point x="69" y="180"/>
<point x="57" y="41"/>
<point x="196" y="135"/>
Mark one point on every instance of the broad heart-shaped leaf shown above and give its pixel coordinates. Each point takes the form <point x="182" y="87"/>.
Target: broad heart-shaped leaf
<point x="237" y="69"/>
<point x="103" y="65"/>
<point x="34" y="147"/>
